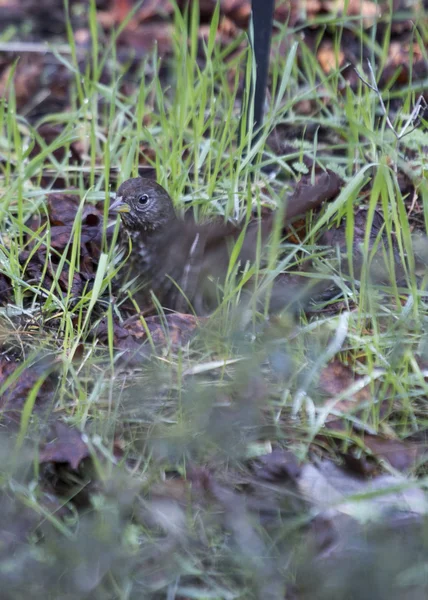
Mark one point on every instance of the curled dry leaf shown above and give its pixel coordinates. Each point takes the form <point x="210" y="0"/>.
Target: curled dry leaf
<point x="66" y="446"/>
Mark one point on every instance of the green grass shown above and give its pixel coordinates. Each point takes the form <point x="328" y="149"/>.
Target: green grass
<point x="200" y="405"/>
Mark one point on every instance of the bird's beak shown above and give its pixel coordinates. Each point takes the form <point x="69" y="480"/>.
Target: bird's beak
<point x="119" y="206"/>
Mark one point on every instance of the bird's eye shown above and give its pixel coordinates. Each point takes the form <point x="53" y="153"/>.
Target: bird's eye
<point x="143" y="199"/>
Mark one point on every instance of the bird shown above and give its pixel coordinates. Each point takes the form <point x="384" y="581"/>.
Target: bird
<point x="182" y="262"/>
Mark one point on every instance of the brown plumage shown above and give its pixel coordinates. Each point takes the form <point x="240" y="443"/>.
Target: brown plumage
<point x="182" y="261"/>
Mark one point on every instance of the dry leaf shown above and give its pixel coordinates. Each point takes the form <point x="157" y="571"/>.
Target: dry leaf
<point x="67" y="446"/>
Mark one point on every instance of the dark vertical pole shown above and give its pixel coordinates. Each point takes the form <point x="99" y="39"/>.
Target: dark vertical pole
<point x="262" y="20"/>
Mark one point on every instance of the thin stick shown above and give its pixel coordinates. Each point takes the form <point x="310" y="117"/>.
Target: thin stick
<point x="420" y="106"/>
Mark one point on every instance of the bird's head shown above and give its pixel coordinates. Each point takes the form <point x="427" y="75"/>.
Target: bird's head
<point x="143" y="205"/>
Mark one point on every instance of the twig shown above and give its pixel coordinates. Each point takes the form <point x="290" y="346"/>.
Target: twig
<point x="421" y="105"/>
<point x="33" y="47"/>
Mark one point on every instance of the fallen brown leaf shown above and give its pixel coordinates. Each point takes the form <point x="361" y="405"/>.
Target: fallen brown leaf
<point x="328" y="58"/>
<point x="400" y="455"/>
<point x="336" y="378"/>
<point x="175" y="329"/>
<point x="19" y="388"/>
<point x="67" y="446"/>
<point x="62" y="209"/>
<point x="279" y="465"/>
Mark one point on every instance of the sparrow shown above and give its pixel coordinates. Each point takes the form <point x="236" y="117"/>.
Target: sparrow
<point x="182" y="262"/>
